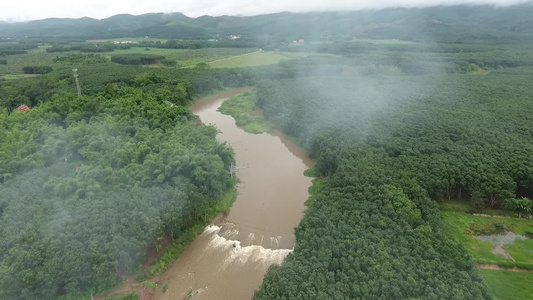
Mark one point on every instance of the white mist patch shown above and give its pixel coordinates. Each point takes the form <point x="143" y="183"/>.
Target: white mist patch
<point x="247" y="254"/>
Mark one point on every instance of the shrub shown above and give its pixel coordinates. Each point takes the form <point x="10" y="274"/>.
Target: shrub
<point x="36" y="69"/>
<point x="137" y="59"/>
<point x="169" y="62"/>
<point x="523" y="205"/>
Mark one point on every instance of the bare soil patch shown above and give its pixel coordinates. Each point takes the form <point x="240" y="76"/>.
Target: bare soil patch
<point x="496" y="267"/>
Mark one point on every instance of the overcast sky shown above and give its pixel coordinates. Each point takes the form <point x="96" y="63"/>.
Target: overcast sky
<point x="24" y="10"/>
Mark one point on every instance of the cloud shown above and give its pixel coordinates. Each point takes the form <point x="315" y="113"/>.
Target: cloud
<point x="38" y="9"/>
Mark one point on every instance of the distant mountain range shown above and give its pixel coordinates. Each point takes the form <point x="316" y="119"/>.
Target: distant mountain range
<point x="468" y="22"/>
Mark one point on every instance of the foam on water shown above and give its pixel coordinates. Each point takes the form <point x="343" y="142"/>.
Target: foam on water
<point x="243" y="254"/>
<point x="251" y="237"/>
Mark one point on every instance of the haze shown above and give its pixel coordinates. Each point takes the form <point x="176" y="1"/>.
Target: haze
<point x="16" y="11"/>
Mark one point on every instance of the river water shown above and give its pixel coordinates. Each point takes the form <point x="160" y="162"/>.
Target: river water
<point x="229" y="259"/>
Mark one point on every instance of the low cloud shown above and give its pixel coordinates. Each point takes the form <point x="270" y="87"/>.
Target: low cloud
<point x="25" y="10"/>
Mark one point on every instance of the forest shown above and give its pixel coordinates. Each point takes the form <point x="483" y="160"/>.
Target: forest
<point x="89" y="183"/>
<point x="390" y="142"/>
<point x="462" y="142"/>
<point x="372" y="233"/>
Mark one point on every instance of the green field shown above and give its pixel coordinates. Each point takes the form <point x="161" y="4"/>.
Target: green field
<point x="17" y="76"/>
<point x="255" y="59"/>
<point x="34" y="57"/>
<point x="186" y="57"/>
<point x="135" y="39"/>
<point x="508" y="285"/>
<point x="464" y="227"/>
<point x="383" y="42"/>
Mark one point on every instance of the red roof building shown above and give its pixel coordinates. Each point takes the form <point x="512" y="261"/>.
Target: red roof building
<point x="23" y="108"/>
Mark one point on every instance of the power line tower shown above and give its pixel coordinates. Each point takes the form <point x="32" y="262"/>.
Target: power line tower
<point x="75" y="71"/>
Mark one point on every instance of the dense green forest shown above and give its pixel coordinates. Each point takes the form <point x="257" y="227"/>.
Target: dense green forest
<point x="372" y="233"/>
<point x="462" y="136"/>
<point x="401" y="127"/>
<point x="95" y="77"/>
<point x="89" y="183"/>
<point x="469" y="140"/>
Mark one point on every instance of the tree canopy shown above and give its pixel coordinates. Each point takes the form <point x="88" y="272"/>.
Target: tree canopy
<point x="89" y="183"/>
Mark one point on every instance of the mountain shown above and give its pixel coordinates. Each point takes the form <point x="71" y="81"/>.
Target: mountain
<point x="116" y="26"/>
<point x="433" y="23"/>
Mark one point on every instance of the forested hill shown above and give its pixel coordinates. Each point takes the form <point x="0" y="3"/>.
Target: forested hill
<point x="440" y="23"/>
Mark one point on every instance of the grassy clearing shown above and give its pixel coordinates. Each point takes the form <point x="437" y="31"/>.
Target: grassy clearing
<point x="186" y="237"/>
<point x="242" y="109"/>
<point x="185" y="57"/>
<point x="255" y="59"/>
<point x="17" y="76"/>
<point x="133" y="39"/>
<point x="464" y="227"/>
<point x="507" y="285"/>
<point x="383" y="42"/>
<point x="35" y="57"/>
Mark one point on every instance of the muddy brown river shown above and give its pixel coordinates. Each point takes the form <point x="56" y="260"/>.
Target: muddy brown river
<point x="229" y="259"/>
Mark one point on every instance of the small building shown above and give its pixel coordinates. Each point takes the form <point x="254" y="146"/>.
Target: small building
<point x="23" y="108"/>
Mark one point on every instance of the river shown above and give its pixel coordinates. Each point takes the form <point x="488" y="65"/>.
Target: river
<point x="229" y="259"/>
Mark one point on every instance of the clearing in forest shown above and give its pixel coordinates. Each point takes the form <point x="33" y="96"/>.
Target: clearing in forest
<point x="258" y="58"/>
<point x="496" y="242"/>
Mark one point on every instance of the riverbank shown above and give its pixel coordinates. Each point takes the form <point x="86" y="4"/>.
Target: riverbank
<point x="243" y="109"/>
<point x="138" y="283"/>
<point x="229" y="258"/>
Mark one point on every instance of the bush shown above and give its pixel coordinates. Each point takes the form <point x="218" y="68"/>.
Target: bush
<point x="36" y="69"/>
<point x="131" y="296"/>
<point x="169" y="62"/>
<point x="81" y="58"/>
<point x="523" y="205"/>
<point x="3" y="62"/>
<point x="12" y="52"/>
<point x="63" y="48"/>
<point x="137" y="59"/>
<point x="102" y="47"/>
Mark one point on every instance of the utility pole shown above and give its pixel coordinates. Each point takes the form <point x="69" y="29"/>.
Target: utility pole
<point x="75" y="71"/>
<point x="234" y="169"/>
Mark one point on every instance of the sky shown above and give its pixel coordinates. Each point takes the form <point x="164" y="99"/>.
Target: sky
<point x="25" y="10"/>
